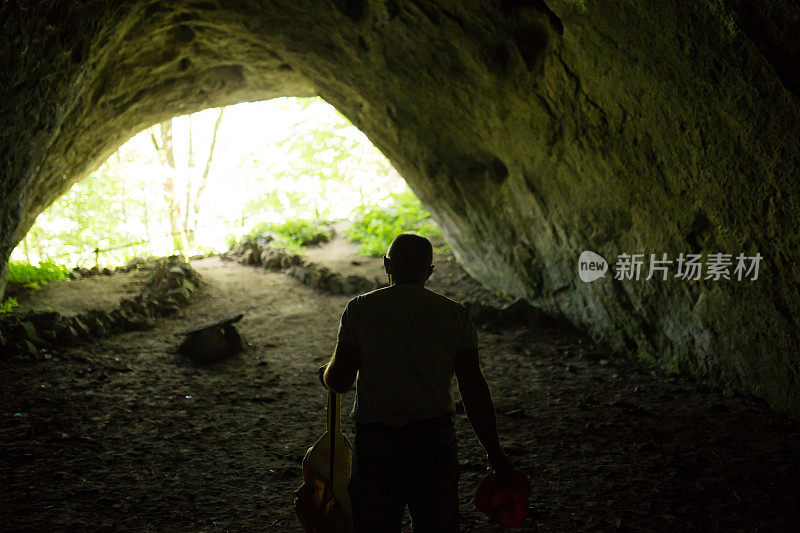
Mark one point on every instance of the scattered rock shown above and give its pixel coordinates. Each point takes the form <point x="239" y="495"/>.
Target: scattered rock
<point x="289" y="260"/>
<point x="259" y="252"/>
<point x="67" y="335"/>
<point x="81" y="328"/>
<point x="319" y="238"/>
<point x="271" y="259"/>
<point x="133" y="263"/>
<point x="138" y="323"/>
<point x="212" y="342"/>
<point x="171" y="285"/>
<point x="44" y="321"/>
<point x="336" y="284"/>
<point x="480" y="313"/>
<point x="129" y="307"/>
<point x="520" y="313"/>
<point x="25" y="331"/>
<point x="29" y="348"/>
<point x="97" y="322"/>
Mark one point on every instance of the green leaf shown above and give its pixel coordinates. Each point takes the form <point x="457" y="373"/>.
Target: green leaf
<point x="376" y="226"/>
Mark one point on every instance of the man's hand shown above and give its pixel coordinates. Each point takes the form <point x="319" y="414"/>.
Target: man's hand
<point x="501" y="464"/>
<point x="321" y="372"/>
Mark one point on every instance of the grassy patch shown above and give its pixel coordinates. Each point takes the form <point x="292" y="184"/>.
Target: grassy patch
<point x="292" y="235"/>
<point x="8" y="305"/>
<point x="376" y="226"/>
<point x="35" y="276"/>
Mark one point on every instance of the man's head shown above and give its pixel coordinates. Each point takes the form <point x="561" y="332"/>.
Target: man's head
<point x="409" y="259"/>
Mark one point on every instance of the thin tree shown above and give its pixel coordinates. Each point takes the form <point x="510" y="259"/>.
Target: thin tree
<point x="166" y="152"/>
<point x="190" y="232"/>
<point x="190" y="164"/>
<point x="184" y="215"/>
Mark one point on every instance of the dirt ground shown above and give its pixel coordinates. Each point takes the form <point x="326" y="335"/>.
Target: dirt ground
<point x="77" y="296"/>
<point x="340" y="256"/>
<point x="118" y="435"/>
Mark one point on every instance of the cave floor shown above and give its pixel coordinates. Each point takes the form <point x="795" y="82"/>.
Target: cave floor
<point x="118" y="435"/>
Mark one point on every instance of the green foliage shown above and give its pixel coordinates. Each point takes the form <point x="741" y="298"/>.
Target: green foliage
<point x="505" y="296"/>
<point x="314" y="165"/>
<point x="274" y="201"/>
<point x="108" y="210"/>
<point x="35" y="276"/>
<point x="329" y="149"/>
<point x="8" y="305"/>
<point x="323" y="153"/>
<point x="292" y="235"/>
<point x="376" y="226"/>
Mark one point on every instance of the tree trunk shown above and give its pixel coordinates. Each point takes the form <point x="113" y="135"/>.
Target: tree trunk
<point x="189" y="174"/>
<point x="198" y="195"/>
<point x="26" y="248"/>
<point x="167" y="154"/>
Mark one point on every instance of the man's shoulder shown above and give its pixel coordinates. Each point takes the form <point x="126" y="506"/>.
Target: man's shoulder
<point x="386" y="295"/>
<point x="444" y="300"/>
<point x="368" y="296"/>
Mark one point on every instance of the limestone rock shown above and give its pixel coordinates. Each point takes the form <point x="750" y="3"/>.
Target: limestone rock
<point x="520" y="313"/>
<point x="25" y="331"/>
<point x="134" y="263"/>
<point x="67" y="335"/>
<point x="44" y="321"/>
<point x="80" y="327"/>
<point x="336" y="284"/>
<point x="137" y="323"/>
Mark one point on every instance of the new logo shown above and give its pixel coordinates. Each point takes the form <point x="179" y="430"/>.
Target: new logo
<point x="591" y="266"/>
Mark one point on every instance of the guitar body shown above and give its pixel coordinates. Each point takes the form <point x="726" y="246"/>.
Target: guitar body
<point x="323" y="506"/>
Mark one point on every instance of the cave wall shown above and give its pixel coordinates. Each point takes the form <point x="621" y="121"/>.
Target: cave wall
<point x="532" y="129"/>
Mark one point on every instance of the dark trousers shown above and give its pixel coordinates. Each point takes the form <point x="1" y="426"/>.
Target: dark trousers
<point x="415" y="465"/>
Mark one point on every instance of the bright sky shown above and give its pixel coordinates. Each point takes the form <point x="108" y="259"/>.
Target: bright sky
<point x="249" y="152"/>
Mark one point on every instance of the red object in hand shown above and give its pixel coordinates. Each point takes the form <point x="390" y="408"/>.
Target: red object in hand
<point x="504" y="500"/>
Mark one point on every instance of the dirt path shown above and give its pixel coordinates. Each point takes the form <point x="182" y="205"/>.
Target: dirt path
<point x="119" y="436"/>
<point x="339" y="255"/>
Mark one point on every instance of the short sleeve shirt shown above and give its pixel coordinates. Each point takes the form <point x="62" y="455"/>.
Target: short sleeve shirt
<point x="407" y="337"/>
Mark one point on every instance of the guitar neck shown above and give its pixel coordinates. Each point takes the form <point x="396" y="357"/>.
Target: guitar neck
<point x="334" y="425"/>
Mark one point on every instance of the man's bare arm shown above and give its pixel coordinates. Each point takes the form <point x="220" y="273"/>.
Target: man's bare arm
<point x="340" y="373"/>
<point x="479" y="407"/>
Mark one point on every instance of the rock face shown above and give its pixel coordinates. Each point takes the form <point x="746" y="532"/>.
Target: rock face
<point x="532" y="130"/>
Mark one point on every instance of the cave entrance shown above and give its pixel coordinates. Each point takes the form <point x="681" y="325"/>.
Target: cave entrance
<point x="196" y="183"/>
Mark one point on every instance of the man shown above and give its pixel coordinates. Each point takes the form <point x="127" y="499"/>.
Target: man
<point x="405" y="343"/>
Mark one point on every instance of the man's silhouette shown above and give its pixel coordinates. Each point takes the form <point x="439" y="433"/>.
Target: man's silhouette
<point x="405" y="343"/>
